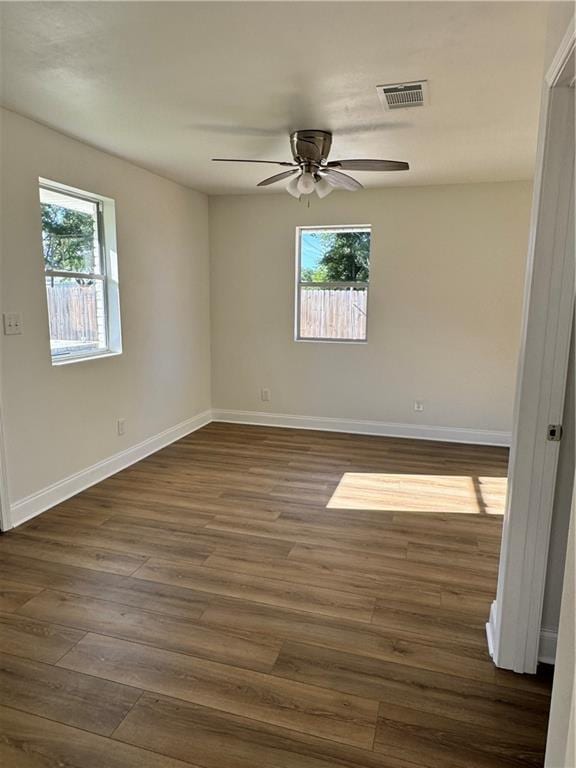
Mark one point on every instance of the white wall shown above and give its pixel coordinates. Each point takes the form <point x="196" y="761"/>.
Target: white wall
<point x="446" y="286"/>
<point x="61" y="420"/>
<point x="444" y="308"/>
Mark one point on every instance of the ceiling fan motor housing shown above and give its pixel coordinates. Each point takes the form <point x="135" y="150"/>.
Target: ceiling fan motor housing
<point x="310" y="171"/>
<point x="310" y="147"/>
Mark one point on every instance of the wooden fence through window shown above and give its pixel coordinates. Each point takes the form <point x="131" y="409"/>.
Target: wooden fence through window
<point x="333" y="313"/>
<point x="73" y="311"/>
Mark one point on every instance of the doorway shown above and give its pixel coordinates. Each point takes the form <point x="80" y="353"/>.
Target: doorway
<point x="515" y="619"/>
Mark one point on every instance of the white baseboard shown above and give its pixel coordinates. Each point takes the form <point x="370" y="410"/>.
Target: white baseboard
<point x="362" y="427"/>
<point x="48" y="497"/>
<point x="547" y="646"/>
<point x="33" y="505"/>
<point x="491" y="631"/>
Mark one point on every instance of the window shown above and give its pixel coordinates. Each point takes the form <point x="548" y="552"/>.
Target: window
<point x="81" y="272"/>
<point x="333" y="267"/>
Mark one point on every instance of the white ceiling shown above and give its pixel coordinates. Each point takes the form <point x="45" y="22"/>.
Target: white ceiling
<point x="170" y="85"/>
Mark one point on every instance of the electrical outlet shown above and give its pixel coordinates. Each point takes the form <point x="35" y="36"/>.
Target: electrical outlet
<point x="121" y="426"/>
<point x="265" y="395"/>
<point x="419" y="405"/>
<point x="12" y="323"/>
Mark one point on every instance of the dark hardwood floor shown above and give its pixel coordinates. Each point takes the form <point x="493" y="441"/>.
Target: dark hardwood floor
<point x="265" y="598"/>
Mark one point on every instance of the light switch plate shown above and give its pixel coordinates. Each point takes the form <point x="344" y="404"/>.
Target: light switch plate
<point x="12" y="323"/>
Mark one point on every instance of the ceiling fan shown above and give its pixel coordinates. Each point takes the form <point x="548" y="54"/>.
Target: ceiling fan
<point x="311" y="170"/>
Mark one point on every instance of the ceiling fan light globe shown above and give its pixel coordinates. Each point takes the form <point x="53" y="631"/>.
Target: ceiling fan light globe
<point x="292" y="188"/>
<point x="306" y="184"/>
<point x="323" y="189"/>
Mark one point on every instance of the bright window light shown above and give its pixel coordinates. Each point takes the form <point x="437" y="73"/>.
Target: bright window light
<point x="450" y="494"/>
<point x="81" y="273"/>
<point x="332" y="274"/>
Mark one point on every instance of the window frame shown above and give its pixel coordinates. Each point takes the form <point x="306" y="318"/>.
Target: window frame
<point x="332" y="284"/>
<point x="108" y="275"/>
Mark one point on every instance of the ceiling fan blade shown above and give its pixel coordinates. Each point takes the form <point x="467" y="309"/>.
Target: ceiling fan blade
<point x="233" y="160"/>
<point x="369" y="165"/>
<point x="277" y="177"/>
<point x="341" y="180"/>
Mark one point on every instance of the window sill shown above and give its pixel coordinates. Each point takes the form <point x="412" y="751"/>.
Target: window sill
<point x="84" y="358"/>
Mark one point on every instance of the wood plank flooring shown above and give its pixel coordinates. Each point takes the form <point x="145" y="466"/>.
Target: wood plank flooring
<point x="253" y="597"/>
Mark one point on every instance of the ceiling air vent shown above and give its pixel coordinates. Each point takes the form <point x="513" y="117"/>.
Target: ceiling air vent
<point x="403" y="95"/>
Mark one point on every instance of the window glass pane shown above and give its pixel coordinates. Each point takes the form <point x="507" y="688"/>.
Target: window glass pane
<point x="77" y="314"/>
<point x="334" y="270"/>
<point x="69" y="233"/>
<point x="333" y="313"/>
<point x="332" y="255"/>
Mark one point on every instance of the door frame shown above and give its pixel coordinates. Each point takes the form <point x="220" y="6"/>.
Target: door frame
<point x="513" y="629"/>
<point x="561" y="738"/>
<point x="5" y="511"/>
<point x="5" y="517"/>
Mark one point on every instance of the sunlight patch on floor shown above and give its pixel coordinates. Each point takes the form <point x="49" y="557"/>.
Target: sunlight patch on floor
<point x="459" y="494"/>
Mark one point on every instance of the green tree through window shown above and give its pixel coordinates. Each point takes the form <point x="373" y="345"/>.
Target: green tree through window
<point x="346" y="257"/>
<point x="67" y="239"/>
